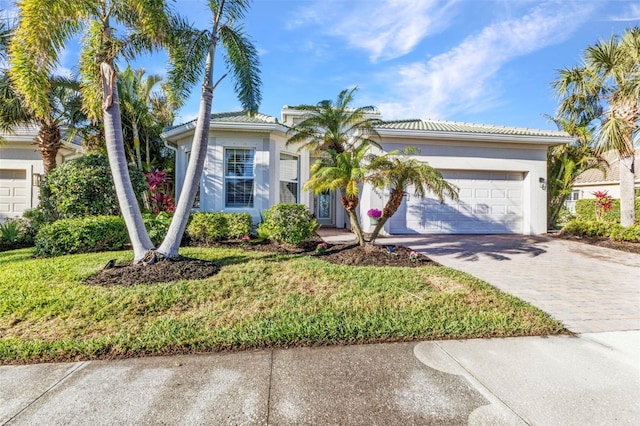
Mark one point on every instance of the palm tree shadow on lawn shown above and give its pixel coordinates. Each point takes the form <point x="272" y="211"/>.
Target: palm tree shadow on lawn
<point x="185" y="268"/>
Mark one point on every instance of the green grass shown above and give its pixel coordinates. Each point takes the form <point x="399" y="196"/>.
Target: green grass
<point x="257" y="300"/>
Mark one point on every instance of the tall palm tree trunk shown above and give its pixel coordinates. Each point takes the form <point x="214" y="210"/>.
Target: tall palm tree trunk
<point x="117" y="160"/>
<point x="627" y="191"/>
<point x="171" y="243"/>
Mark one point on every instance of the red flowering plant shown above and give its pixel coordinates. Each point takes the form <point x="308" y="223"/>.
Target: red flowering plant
<point x="603" y="203"/>
<point x="159" y="201"/>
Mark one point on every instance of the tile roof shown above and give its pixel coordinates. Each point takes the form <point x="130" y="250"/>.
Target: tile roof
<point x="611" y="171"/>
<point x="234" y="117"/>
<point x="459" y="127"/>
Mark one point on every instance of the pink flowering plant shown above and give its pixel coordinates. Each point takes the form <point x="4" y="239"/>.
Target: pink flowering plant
<point x="414" y="256"/>
<point x="604" y="202"/>
<point x="321" y="248"/>
<point x="158" y="200"/>
<point x="374" y="213"/>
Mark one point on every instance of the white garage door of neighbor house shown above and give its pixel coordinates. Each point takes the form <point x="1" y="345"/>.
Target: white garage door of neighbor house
<point x="489" y="203"/>
<point x="13" y="192"/>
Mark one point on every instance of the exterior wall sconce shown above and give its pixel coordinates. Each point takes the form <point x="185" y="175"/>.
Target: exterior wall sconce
<point x="37" y="179"/>
<point x="543" y="183"/>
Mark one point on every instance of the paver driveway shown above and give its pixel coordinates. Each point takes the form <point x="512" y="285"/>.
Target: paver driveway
<point x="587" y="288"/>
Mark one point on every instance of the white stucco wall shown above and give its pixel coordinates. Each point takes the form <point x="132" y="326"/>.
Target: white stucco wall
<point x="481" y="156"/>
<point x="268" y="145"/>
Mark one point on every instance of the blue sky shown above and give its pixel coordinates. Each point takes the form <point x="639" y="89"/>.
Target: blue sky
<point x="483" y="61"/>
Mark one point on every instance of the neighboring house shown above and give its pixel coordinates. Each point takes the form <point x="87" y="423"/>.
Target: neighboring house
<point x="500" y="172"/>
<point x="607" y="179"/>
<point x="21" y="169"/>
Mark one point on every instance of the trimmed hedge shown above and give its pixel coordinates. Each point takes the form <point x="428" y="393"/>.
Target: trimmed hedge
<point x="82" y="235"/>
<point x="586" y="210"/>
<point x="288" y="223"/>
<point x="208" y="227"/>
<point x="595" y="228"/>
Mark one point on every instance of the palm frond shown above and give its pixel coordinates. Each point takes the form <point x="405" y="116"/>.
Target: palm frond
<point x="244" y="63"/>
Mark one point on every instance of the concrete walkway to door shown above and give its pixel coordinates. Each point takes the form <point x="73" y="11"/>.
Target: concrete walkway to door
<point x="587" y="288"/>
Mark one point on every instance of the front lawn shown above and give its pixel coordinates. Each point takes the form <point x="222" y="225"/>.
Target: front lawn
<point x="257" y="300"/>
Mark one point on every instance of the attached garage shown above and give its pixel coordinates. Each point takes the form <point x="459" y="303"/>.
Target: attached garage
<point x="500" y="172"/>
<point x="14" y="197"/>
<point x="489" y="203"/>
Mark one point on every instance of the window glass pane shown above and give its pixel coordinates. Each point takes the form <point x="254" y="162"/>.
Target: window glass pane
<point x="288" y="167"/>
<point x="288" y="178"/>
<point x="239" y="193"/>
<point x="238" y="162"/>
<point x="288" y="192"/>
<point x="239" y="182"/>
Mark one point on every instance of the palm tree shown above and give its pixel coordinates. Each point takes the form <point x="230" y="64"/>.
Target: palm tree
<point x="397" y="171"/>
<point x="334" y="126"/>
<point x="242" y="59"/>
<point x="608" y="81"/>
<point x="44" y="28"/>
<point x="64" y="104"/>
<point x="566" y="162"/>
<point x="344" y="171"/>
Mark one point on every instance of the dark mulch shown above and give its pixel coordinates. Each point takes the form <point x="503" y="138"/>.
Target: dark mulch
<point x="599" y="241"/>
<point x="183" y="268"/>
<point x="194" y="269"/>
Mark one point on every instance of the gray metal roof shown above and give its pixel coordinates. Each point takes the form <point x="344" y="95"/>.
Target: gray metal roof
<point x="459" y="127"/>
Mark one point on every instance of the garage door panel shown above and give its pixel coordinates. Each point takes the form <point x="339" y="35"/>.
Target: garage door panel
<point x="13" y="192"/>
<point x="489" y="202"/>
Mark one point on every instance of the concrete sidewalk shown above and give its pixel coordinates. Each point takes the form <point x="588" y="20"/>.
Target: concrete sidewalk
<point x="561" y="380"/>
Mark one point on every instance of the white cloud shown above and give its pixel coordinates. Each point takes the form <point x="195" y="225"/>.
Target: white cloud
<point x="630" y="13"/>
<point x="385" y="29"/>
<point x="466" y="77"/>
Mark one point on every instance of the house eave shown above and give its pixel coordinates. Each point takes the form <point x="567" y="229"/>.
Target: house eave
<point x="230" y="126"/>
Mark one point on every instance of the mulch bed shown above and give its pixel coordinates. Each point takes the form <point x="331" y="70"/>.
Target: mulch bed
<point x="183" y="268"/>
<point x="193" y="269"/>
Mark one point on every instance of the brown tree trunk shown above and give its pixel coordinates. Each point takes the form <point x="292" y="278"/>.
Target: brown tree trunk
<point x="350" y="205"/>
<point x="49" y="141"/>
<point x="390" y="208"/>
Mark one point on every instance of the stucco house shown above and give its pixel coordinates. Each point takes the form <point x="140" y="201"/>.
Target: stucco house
<point x="608" y="179"/>
<point x="21" y="169"/>
<point x="500" y="173"/>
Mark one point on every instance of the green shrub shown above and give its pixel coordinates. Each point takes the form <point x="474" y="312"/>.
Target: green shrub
<point x="157" y="225"/>
<point x="84" y="187"/>
<point x="288" y="223"/>
<point x="208" y="227"/>
<point x="82" y="235"/>
<point x="586" y="210"/>
<point x="590" y="228"/>
<point x="631" y="233"/>
<point x="15" y="233"/>
<point x="240" y="225"/>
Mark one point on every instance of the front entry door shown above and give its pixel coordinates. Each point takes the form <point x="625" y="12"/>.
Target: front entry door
<point x="324" y="208"/>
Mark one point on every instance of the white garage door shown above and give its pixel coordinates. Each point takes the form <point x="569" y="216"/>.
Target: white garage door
<point x="490" y="203"/>
<point x="13" y="192"/>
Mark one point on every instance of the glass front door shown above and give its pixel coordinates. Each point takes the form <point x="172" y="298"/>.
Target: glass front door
<point x="324" y="208"/>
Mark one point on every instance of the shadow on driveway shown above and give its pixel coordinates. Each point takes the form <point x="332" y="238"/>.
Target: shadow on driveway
<point x="472" y="247"/>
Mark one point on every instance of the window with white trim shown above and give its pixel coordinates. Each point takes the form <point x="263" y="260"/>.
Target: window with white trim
<point x="289" y="178"/>
<point x="239" y="177"/>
